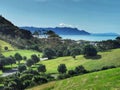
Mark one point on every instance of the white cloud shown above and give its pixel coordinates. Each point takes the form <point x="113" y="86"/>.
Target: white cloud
<point x="65" y="25"/>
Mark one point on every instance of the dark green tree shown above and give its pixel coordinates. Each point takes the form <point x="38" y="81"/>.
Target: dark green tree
<point x="49" y="53"/>
<point x="80" y="70"/>
<point x="35" y="58"/>
<point x="18" y="57"/>
<point x="21" y="68"/>
<point x="6" y="48"/>
<point x="41" y="68"/>
<point x="62" y="68"/>
<point x="29" y="62"/>
<point x="89" y="50"/>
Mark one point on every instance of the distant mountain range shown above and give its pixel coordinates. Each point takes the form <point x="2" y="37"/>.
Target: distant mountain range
<point x="60" y="30"/>
<point x="68" y="31"/>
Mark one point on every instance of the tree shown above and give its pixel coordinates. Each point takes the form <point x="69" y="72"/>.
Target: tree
<point x="35" y="58"/>
<point x="59" y="53"/>
<point x="75" y="51"/>
<point x="10" y="60"/>
<point x="29" y="62"/>
<point x="21" y="68"/>
<point x="80" y="70"/>
<point x="66" y="53"/>
<point x="18" y="57"/>
<point x="89" y="50"/>
<point x="71" y="72"/>
<point x="49" y="53"/>
<point x="62" y="68"/>
<point x="6" y="48"/>
<point x="41" y="68"/>
<point x="51" y="33"/>
<point x="2" y="63"/>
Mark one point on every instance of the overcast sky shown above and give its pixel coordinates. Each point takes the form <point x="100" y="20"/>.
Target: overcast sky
<point x="91" y="15"/>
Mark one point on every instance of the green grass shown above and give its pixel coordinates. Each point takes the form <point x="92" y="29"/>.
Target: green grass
<point x="107" y="59"/>
<point x="26" y="53"/>
<point x="5" y="44"/>
<point x="102" y="80"/>
<point x="1" y="72"/>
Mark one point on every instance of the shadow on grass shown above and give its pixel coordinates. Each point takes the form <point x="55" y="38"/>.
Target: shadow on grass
<point x="93" y="57"/>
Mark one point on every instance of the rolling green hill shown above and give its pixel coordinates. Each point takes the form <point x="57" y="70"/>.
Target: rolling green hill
<point x="102" y="80"/>
<point x="107" y="59"/>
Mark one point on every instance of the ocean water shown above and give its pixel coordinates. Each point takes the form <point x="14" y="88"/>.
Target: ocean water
<point x="89" y="37"/>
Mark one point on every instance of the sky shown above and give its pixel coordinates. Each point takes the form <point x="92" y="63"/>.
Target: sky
<point x="96" y="16"/>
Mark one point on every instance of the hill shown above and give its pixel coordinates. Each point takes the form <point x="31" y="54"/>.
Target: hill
<point x="60" y="30"/>
<point x="9" y="29"/>
<point x="17" y="37"/>
<point x="102" y="80"/>
<point x="107" y="58"/>
<point x="5" y="44"/>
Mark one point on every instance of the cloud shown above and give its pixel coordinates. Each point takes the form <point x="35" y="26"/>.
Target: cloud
<point x="65" y="25"/>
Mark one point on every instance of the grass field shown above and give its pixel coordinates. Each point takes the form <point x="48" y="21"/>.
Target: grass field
<point x="26" y="53"/>
<point x="1" y="72"/>
<point x="5" y="44"/>
<point x="107" y="58"/>
<point x="102" y="80"/>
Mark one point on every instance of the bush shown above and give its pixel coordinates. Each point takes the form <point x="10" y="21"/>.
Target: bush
<point x="71" y="72"/>
<point x="39" y="80"/>
<point x="6" y="48"/>
<point x="80" y="70"/>
<point x="26" y="77"/>
<point x="63" y="76"/>
<point x="30" y="71"/>
<point x="26" y="83"/>
<point x="108" y="67"/>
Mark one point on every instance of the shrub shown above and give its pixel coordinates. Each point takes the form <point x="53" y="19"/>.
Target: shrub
<point x="26" y="83"/>
<point x="39" y="80"/>
<point x="63" y="76"/>
<point x="108" y="67"/>
<point x="6" y="48"/>
<point x="71" y="72"/>
<point x="24" y="77"/>
<point x="80" y="70"/>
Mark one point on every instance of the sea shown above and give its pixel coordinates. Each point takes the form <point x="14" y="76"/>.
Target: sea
<point x="90" y="37"/>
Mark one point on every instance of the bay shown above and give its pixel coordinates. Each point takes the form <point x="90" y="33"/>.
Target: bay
<point x="89" y="37"/>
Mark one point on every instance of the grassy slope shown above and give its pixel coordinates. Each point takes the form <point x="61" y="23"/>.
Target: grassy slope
<point x="26" y="53"/>
<point x="107" y="58"/>
<point x="102" y="80"/>
<point x="3" y="44"/>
